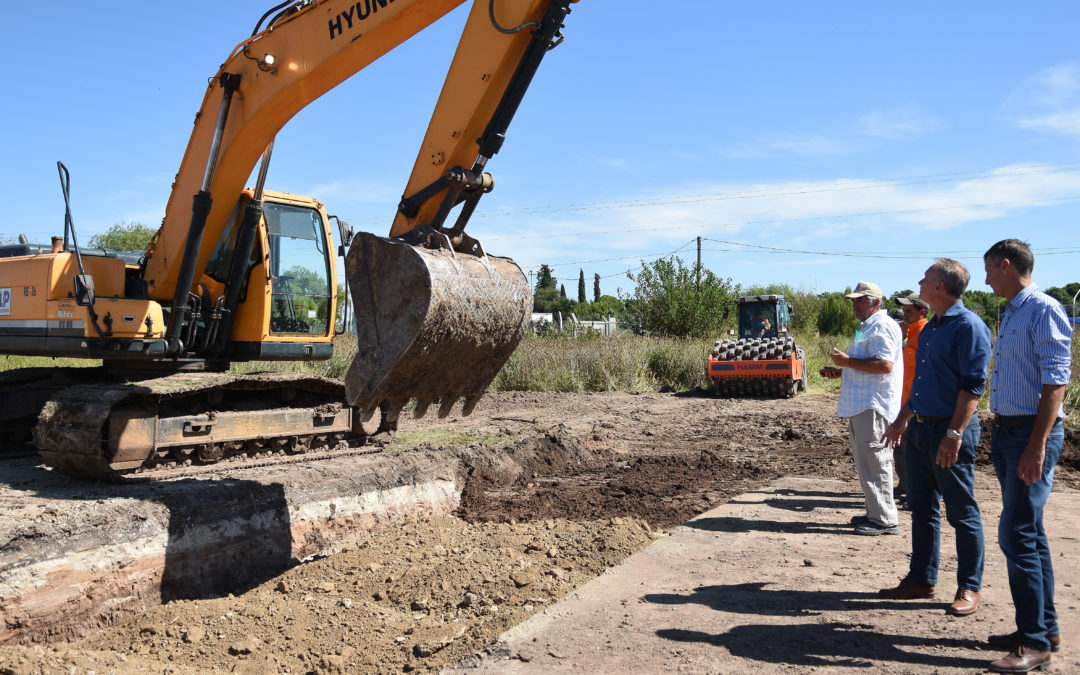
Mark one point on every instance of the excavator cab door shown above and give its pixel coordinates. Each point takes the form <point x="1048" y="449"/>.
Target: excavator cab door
<point x="300" y="270"/>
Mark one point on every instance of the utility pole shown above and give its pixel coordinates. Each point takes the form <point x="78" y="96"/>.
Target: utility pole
<point x="698" y="268"/>
<point x="530" y="280"/>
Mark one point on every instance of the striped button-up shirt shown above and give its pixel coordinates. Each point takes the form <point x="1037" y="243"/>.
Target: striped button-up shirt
<point x="859" y="391"/>
<point x="1032" y="349"/>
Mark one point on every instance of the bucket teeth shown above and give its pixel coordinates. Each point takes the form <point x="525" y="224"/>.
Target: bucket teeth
<point x="421" y="408"/>
<point x="470" y="403"/>
<point x="393" y="410"/>
<point x="369" y="413"/>
<point x="447" y="405"/>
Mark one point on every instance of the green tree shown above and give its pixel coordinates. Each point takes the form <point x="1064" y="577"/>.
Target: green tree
<point x="562" y="291"/>
<point x="836" y="316"/>
<point x="544" y="278"/>
<point x="893" y="301"/>
<point x="667" y="302"/>
<point x="122" y="236"/>
<point x="549" y="301"/>
<point x="598" y="310"/>
<point x="596" y="288"/>
<point x="581" y="286"/>
<point x="1065" y="295"/>
<point x="985" y="304"/>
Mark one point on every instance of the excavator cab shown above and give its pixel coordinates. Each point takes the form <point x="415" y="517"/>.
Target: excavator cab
<point x="287" y="300"/>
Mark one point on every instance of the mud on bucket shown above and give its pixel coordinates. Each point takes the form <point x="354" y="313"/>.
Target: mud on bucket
<point x="431" y="324"/>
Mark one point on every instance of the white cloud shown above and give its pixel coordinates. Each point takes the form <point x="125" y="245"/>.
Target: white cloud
<point x="897" y="125"/>
<point x="796" y="212"/>
<point x="1067" y="122"/>
<point x="812" y="145"/>
<point x="1048" y="100"/>
<point x="888" y="125"/>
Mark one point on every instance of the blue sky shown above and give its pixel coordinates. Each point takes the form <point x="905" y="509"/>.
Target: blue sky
<point x="815" y="144"/>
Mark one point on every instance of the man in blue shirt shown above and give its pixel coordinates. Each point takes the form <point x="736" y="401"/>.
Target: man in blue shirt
<point x="1031" y="370"/>
<point x="952" y="360"/>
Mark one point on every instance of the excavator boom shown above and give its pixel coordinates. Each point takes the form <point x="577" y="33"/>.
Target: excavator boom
<point x="272" y="76"/>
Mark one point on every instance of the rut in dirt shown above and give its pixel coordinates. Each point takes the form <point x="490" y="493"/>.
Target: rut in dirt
<point x="560" y="476"/>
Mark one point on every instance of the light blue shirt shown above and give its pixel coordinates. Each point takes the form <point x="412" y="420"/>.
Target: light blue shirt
<point x="859" y="391"/>
<point x="1032" y="349"/>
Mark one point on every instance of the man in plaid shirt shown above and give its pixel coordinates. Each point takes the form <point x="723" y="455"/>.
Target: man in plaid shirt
<point x="873" y="378"/>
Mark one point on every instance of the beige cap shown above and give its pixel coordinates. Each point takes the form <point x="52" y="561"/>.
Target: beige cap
<point x="865" y="288"/>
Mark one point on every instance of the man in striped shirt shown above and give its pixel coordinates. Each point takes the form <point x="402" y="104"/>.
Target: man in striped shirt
<point x="1031" y="371"/>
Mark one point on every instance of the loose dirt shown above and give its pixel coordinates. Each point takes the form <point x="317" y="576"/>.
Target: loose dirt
<point x="586" y="481"/>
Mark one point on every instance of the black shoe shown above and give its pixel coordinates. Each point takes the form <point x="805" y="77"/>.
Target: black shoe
<point x="871" y="528"/>
<point x="860" y="519"/>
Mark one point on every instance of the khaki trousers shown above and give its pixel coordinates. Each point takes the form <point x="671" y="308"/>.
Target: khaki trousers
<point x="874" y="462"/>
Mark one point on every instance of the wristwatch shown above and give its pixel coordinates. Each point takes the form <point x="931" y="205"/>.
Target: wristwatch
<point x="954" y="434"/>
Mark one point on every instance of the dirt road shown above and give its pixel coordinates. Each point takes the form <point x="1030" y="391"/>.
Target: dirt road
<point x="576" y="484"/>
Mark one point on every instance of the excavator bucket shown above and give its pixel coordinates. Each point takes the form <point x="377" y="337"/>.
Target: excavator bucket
<point x="431" y="324"/>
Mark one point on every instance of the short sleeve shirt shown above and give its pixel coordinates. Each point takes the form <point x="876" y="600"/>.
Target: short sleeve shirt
<point x="859" y="391"/>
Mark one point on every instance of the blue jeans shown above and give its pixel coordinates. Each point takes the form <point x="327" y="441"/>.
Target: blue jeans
<point x="927" y="485"/>
<point x="1021" y="534"/>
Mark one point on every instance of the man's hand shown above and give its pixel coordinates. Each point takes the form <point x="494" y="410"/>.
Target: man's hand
<point x="948" y="451"/>
<point x="840" y="358"/>
<point x="1031" y="463"/>
<point x="830" y="373"/>
<point x="895" y="432"/>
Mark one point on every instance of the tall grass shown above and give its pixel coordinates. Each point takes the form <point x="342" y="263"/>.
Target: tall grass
<point x="1072" y="390"/>
<point x="335" y="367"/>
<point x="603" y="364"/>
<point x="587" y="364"/>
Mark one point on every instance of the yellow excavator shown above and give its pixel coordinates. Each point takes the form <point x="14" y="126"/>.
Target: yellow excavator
<point x="247" y="274"/>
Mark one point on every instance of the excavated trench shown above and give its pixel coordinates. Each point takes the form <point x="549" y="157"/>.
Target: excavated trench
<point x="77" y="557"/>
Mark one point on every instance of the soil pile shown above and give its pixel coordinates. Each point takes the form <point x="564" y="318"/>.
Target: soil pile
<point x="416" y="597"/>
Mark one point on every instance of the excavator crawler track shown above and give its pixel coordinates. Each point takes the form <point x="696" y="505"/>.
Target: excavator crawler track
<point x="191" y="423"/>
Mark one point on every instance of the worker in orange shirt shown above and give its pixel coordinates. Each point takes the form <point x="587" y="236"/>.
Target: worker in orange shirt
<point x="915" y="309"/>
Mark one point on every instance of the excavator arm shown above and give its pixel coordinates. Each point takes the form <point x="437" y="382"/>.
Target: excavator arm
<point x="426" y="308"/>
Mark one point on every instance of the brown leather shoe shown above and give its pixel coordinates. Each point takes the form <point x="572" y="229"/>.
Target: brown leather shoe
<point x="965" y="603"/>
<point x="1021" y="660"/>
<point x="1011" y="641"/>
<point x="909" y="589"/>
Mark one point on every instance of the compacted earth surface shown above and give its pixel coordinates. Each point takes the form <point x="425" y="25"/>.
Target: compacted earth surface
<point x="560" y="488"/>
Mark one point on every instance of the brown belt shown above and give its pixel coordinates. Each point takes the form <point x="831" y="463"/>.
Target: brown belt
<point x="931" y="418"/>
